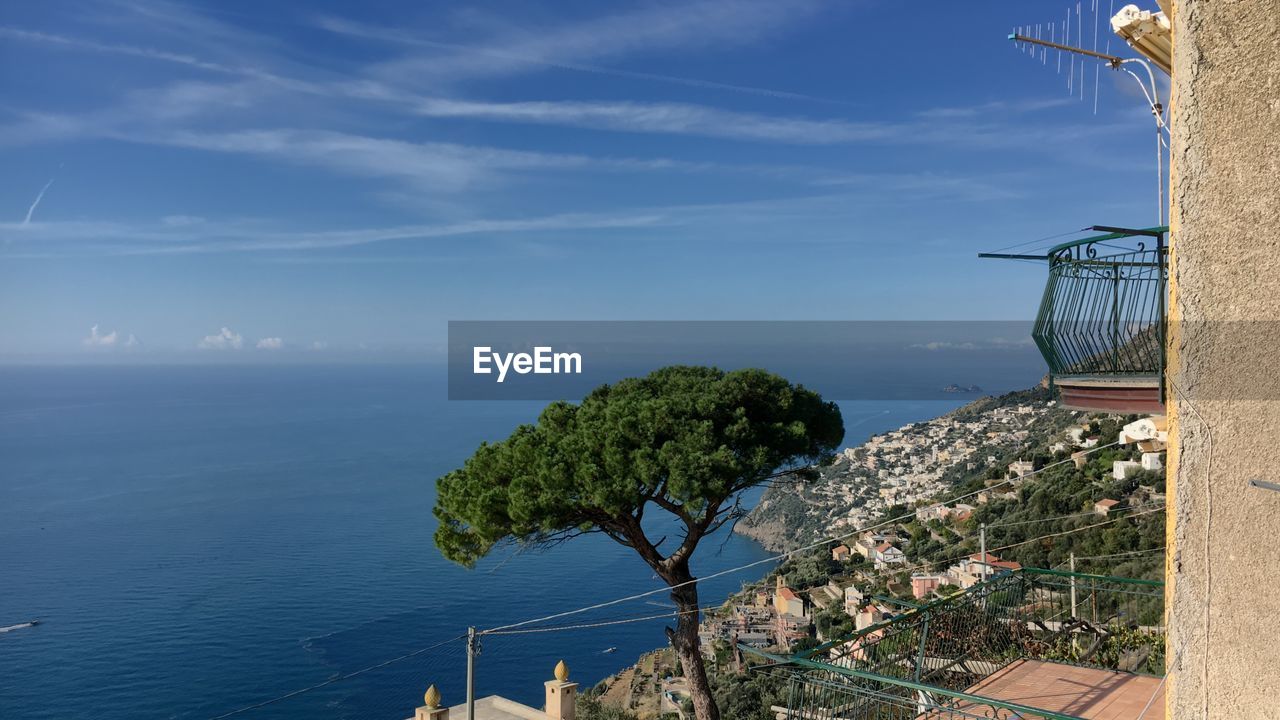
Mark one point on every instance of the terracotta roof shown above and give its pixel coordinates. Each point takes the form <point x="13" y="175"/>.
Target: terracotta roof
<point x="884" y="547"/>
<point x="788" y="594"/>
<point x="1108" y="503"/>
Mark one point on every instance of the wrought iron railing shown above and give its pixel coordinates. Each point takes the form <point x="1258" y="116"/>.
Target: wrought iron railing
<point x="1103" y="311"/>
<point x="925" y="662"/>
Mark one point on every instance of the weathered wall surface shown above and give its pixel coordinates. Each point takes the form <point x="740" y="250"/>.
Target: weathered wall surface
<point x="1224" y="598"/>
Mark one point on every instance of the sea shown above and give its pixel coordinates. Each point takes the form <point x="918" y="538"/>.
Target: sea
<point x="256" y="542"/>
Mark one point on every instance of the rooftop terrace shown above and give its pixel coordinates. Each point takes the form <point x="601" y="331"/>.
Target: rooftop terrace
<point x="1027" y="644"/>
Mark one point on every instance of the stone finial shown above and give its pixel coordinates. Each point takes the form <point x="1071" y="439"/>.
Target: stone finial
<point x="562" y="671"/>
<point x="432" y="698"/>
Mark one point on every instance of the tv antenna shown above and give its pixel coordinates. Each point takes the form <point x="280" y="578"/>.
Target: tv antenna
<point x="1131" y="23"/>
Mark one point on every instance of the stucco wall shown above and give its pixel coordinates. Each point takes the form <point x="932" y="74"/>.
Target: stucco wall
<point x="1224" y="568"/>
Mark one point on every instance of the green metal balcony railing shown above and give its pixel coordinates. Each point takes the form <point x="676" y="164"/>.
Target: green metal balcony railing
<point x="1101" y="323"/>
<point x="926" y="662"/>
<point x="1103" y="310"/>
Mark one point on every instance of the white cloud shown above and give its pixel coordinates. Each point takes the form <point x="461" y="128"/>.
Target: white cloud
<point x="319" y="345"/>
<point x="40" y="196"/>
<point x="97" y="339"/>
<point x="943" y="345"/>
<point x="995" y="343"/>
<point x="132" y="341"/>
<point x="224" y="340"/>
<point x="571" y="46"/>
<point x="436" y="165"/>
<point x="270" y="343"/>
<point x="706" y="121"/>
<point x="181" y="220"/>
<point x="678" y="118"/>
<point x="107" y="237"/>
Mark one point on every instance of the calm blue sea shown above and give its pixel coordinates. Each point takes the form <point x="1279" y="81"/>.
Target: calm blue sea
<point x="197" y="539"/>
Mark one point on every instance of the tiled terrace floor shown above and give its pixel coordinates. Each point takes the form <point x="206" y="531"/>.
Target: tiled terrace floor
<point x="1082" y="692"/>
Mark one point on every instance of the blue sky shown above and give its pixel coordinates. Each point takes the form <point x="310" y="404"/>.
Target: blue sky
<point x="339" y="180"/>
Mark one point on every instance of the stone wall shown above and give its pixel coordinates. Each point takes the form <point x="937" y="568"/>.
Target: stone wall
<point x="1224" y="357"/>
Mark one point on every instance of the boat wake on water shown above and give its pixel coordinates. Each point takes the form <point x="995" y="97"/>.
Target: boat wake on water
<point x="19" y="626"/>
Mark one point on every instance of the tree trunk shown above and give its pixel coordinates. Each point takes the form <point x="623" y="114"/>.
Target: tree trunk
<point x="685" y="641"/>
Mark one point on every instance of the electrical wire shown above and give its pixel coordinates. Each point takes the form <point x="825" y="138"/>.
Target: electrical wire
<point x="1121" y="554"/>
<point x="1040" y="240"/>
<point x="1065" y="517"/>
<point x="1152" y="699"/>
<point x="601" y="623"/>
<point x="1010" y="546"/>
<point x="1208" y="526"/>
<point x="780" y="556"/>
<point x="336" y="679"/>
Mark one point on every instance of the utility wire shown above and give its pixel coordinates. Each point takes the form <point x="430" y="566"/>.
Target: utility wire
<point x="1065" y="517"/>
<point x="602" y="623"/>
<point x="511" y="629"/>
<point x="336" y="679"/>
<point x="990" y="551"/>
<point x="519" y="629"/>
<point x="781" y="556"/>
<point x="1121" y="554"/>
<point x="1152" y="699"/>
<point x="1040" y="240"/>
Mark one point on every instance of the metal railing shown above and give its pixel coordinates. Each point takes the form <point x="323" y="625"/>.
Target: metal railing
<point x="1103" y="310"/>
<point x="926" y="661"/>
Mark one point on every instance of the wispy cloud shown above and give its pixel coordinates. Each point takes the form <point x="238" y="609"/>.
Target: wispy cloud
<point x="572" y="46"/>
<point x="270" y="343"/>
<point x="443" y="166"/>
<point x="997" y="107"/>
<point x="36" y="203"/>
<point x="114" y="238"/>
<point x="45" y="38"/>
<point x="670" y="118"/>
<point x="439" y="166"/>
<point x="706" y="121"/>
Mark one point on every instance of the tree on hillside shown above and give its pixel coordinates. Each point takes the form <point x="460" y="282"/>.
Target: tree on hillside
<point x="683" y="442"/>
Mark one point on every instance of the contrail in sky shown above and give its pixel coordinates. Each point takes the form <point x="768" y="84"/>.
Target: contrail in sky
<point x="31" y="210"/>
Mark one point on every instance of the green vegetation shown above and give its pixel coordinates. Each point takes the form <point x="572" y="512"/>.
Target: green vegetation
<point x="749" y="695"/>
<point x="683" y="440"/>
<point x="590" y="707"/>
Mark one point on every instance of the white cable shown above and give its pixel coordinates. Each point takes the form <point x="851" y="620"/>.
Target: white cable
<point x="1150" y="101"/>
<point x="1208" y="564"/>
<point x="782" y="556"/>
<point x="1154" y="693"/>
<point x="1157" y="111"/>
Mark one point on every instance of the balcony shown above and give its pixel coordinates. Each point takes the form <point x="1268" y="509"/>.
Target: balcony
<point x="1101" y="324"/>
<point x="1026" y="644"/>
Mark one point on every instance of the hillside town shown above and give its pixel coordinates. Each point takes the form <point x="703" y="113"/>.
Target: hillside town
<point x="873" y="575"/>
<point x="905" y="467"/>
